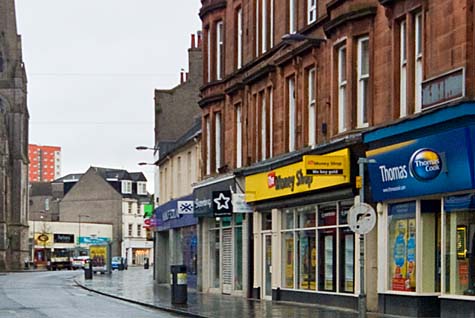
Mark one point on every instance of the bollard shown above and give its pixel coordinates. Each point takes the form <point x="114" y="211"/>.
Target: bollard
<point x="146" y="263"/>
<point x="88" y="270"/>
<point x="178" y="284"/>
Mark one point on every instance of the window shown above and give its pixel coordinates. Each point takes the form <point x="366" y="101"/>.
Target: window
<point x="263" y="126"/>
<point x="129" y="205"/>
<point x="219" y="50"/>
<point x="141" y="188"/>
<point x="208" y="36"/>
<point x="217" y="145"/>
<point x="292" y="112"/>
<point x="363" y="82"/>
<point x="130" y="229"/>
<point x="139" y="230"/>
<point x="189" y="165"/>
<point x="403" y="70"/>
<point x="342" y="89"/>
<point x="311" y="98"/>
<point x="418" y="59"/>
<point x="264" y="25"/>
<point x="312" y="11"/>
<point x="208" y="145"/>
<point x="139" y="208"/>
<point x="402" y="246"/>
<point x="238" y="136"/>
<point x="239" y="36"/>
<point x="292" y="16"/>
<point x="126" y="187"/>
<point x="314" y="255"/>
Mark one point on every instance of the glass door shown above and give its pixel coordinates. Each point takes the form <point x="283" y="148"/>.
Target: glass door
<point x="267" y="262"/>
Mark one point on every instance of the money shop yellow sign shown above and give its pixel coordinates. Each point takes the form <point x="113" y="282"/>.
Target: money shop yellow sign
<point x="293" y="179"/>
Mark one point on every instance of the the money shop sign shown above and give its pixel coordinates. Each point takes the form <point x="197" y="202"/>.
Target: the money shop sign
<point x="295" y="178"/>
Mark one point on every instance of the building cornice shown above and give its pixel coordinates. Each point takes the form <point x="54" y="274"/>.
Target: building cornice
<point x="205" y="10"/>
<point x="211" y="99"/>
<point x="337" y="22"/>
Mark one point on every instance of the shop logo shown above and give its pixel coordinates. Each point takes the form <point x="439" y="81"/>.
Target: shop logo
<point x="271" y="179"/>
<point x="425" y="164"/>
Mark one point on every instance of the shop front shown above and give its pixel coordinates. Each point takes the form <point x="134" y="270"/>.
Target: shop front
<point x="424" y="182"/>
<point x="304" y="250"/>
<point x="176" y="239"/>
<point x="223" y="238"/>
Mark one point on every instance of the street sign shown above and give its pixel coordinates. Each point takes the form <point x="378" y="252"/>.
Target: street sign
<point x="361" y="218"/>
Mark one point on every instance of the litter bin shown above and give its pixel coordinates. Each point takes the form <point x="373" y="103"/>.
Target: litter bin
<point x="146" y="263"/>
<point x="88" y="270"/>
<point x="179" y="285"/>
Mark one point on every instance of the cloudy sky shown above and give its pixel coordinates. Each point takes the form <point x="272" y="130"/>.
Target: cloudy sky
<point x="92" y="67"/>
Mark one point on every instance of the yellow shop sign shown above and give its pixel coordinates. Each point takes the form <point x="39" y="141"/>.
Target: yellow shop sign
<point x="294" y="178"/>
<point x="324" y="165"/>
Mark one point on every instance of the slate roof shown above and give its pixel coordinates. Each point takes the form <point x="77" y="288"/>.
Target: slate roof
<point x="170" y="147"/>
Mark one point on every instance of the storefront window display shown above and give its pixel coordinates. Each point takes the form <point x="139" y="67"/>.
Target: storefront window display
<point x="310" y="250"/>
<point x="460" y="244"/>
<point x="403" y="232"/>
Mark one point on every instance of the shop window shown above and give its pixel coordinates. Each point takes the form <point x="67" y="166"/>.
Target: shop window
<point x="402" y="246"/>
<point x="347" y="260"/>
<point x="238" y="257"/>
<point x="287" y="219"/>
<point x="307" y="258"/>
<point x="288" y="260"/>
<point x="215" y="258"/>
<point x="327" y="215"/>
<point x="327" y="259"/>
<point x="460" y="244"/>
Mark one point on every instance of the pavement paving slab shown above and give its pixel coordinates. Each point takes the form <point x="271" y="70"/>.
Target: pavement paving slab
<point x="137" y="285"/>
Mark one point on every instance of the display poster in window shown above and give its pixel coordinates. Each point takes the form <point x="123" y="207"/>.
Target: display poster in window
<point x="463" y="274"/>
<point x="349" y="262"/>
<point x="328" y="262"/>
<point x="289" y="264"/>
<point x="404" y="256"/>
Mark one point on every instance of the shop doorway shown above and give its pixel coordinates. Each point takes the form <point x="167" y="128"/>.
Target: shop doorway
<point x="267" y="270"/>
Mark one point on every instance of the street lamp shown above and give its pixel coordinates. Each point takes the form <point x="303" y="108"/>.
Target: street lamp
<point x="79" y="233"/>
<point x="146" y="164"/>
<point x="297" y="37"/>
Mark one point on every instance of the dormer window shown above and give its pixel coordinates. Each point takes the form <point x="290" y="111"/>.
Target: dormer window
<point x="142" y="188"/>
<point x="126" y="186"/>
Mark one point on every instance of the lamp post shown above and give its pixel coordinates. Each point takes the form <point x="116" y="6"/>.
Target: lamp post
<point x="79" y="233"/>
<point x="362" y="296"/>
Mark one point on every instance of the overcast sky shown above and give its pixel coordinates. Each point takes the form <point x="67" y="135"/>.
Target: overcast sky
<point x="92" y="67"/>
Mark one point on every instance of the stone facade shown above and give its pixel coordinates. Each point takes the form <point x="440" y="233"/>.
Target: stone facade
<point x="14" y="120"/>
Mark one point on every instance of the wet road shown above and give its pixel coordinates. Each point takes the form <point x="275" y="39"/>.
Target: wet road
<point x="54" y="295"/>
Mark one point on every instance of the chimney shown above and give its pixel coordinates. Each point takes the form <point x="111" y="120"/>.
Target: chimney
<point x="182" y="80"/>
<point x="199" y="39"/>
<point x="192" y="41"/>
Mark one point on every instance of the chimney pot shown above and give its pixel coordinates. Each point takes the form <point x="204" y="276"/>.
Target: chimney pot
<point x="192" y="41"/>
<point x="199" y="39"/>
<point x="181" y="77"/>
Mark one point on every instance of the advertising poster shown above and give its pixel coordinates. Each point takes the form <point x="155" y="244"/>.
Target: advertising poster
<point x="289" y="264"/>
<point x="98" y="255"/>
<point x="404" y="256"/>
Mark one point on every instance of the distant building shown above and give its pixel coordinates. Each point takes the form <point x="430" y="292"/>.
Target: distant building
<point x="109" y="196"/>
<point x="14" y="119"/>
<point x="45" y="163"/>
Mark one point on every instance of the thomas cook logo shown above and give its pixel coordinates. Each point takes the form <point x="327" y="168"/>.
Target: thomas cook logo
<point x="425" y="164"/>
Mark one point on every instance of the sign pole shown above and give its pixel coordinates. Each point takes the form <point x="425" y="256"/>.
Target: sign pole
<point x="362" y="295"/>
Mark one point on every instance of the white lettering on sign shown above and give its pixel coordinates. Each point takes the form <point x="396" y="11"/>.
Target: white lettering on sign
<point x="393" y="173"/>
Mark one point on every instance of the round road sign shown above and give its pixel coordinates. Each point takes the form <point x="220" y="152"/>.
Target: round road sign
<point x="361" y="218"/>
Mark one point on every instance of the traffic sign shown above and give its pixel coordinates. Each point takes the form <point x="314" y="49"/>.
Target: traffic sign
<point x="361" y="218"/>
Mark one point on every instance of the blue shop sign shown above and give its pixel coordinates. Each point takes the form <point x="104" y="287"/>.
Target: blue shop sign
<point x="435" y="164"/>
<point x="167" y="216"/>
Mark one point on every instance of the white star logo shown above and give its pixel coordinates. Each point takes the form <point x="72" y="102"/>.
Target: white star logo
<point x="219" y="201"/>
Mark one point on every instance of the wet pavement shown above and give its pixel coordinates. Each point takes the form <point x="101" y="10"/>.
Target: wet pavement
<point x="137" y="285"/>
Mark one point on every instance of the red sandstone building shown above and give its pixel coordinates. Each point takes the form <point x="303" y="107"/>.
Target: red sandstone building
<point x="45" y="163"/>
<point x="381" y="79"/>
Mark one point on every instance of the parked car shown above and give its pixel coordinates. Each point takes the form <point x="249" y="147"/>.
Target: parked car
<point x="119" y="263"/>
<point x="79" y="262"/>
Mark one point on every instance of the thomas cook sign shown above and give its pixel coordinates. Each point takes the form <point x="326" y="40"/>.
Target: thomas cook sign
<point x="295" y="178"/>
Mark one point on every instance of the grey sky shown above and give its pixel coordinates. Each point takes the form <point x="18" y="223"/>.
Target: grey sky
<point x="92" y="66"/>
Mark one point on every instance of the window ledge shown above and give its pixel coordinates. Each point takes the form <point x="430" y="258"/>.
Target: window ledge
<point x="457" y="297"/>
